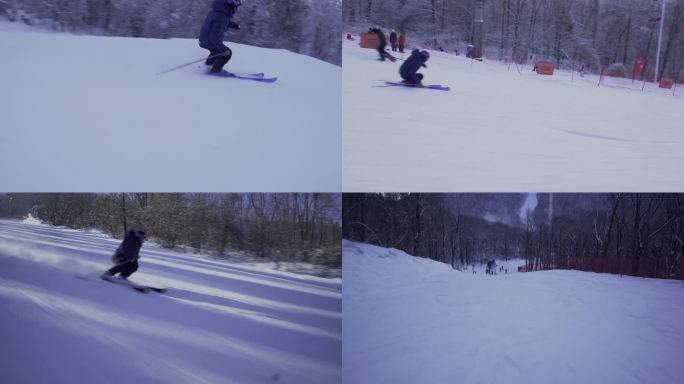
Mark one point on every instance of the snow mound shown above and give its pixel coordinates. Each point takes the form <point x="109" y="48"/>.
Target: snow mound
<point x="412" y="320"/>
<point x="29" y="219"/>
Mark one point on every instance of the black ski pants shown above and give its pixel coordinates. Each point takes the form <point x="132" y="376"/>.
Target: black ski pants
<point x="219" y="61"/>
<point x="126" y="269"/>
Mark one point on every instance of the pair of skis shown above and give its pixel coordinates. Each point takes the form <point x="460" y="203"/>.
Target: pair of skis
<point x="246" y="76"/>
<point x="137" y="287"/>
<point x="437" y="87"/>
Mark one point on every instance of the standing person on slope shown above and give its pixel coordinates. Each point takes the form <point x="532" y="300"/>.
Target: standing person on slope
<point x="402" y="41"/>
<point x="410" y="67"/>
<point x="216" y="24"/>
<point x="127" y="255"/>
<point x="393" y="41"/>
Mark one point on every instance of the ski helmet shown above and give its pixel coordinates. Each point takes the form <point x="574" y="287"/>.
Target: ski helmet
<point x="140" y="235"/>
<point x="425" y="54"/>
<point x="232" y="6"/>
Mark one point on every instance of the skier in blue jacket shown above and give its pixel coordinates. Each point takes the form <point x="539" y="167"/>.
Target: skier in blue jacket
<point x="410" y="67"/>
<point x="216" y="24"/>
<point x="127" y="255"/>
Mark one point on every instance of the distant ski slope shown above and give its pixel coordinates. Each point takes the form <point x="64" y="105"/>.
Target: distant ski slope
<point x="413" y="320"/>
<point x="497" y="130"/>
<point x="87" y="113"/>
<point x="217" y="323"/>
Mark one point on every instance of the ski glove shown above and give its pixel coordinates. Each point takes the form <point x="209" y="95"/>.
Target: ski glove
<point x="234" y="25"/>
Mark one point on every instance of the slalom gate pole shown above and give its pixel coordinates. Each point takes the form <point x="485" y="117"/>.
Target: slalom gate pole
<point x="190" y="63"/>
<point x="572" y="79"/>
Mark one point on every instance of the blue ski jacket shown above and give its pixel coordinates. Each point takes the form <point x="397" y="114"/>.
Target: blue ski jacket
<point x="409" y="68"/>
<point x="215" y="26"/>
<point x="129" y="249"/>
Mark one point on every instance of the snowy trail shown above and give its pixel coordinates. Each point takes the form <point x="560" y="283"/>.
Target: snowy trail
<point x="497" y="130"/>
<point x="412" y="320"/>
<point x="216" y="324"/>
<point x="89" y="113"/>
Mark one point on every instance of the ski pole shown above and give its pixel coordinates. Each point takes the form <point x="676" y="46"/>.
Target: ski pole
<point x="190" y="63"/>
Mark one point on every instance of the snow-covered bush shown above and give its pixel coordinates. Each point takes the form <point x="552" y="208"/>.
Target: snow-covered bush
<point x="616" y="70"/>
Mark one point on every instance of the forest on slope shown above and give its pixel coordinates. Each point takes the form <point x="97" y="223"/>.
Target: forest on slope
<point x="295" y="227"/>
<point x="593" y="33"/>
<point x="310" y="27"/>
<point x="640" y="234"/>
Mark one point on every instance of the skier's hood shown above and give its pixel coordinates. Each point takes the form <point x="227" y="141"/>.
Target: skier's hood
<point x="220" y="6"/>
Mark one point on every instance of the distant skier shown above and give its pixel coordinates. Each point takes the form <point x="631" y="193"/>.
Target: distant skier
<point x="393" y="40"/>
<point x="410" y="67"/>
<point x="382" y="42"/>
<point x="489" y="267"/>
<point x="216" y="24"/>
<point x="127" y="255"/>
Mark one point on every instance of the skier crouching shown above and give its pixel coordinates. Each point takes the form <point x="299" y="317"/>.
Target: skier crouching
<point x="127" y="255"/>
<point x="410" y="67"/>
<point x="216" y="24"/>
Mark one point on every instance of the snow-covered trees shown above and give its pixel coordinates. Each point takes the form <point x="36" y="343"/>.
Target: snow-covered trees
<point x="590" y="32"/>
<point x="451" y="228"/>
<point x="625" y="233"/>
<point x="311" y="27"/>
<point x="281" y="227"/>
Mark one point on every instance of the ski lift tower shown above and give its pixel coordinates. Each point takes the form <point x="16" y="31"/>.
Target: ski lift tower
<point x="478" y="22"/>
<point x="660" y="38"/>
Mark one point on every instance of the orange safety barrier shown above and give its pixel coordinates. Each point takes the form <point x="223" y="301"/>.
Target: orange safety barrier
<point x="666" y="82"/>
<point x="545" y="68"/>
<point x="369" y="40"/>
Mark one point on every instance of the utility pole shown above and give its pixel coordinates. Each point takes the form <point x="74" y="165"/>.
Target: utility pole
<point x="478" y="30"/>
<point x="660" y="38"/>
<point x="550" y="211"/>
<point x="11" y="197"/>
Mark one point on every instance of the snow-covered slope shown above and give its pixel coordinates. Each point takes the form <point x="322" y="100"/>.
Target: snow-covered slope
<point x="413" y="320"/>
<point x="217" y="323"/>
<point x="497" y="130"/>
<point x="87" y="113"/>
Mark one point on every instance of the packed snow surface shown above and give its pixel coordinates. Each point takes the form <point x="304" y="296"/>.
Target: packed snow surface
<point x="89" y="113"/>
<point x="499" y="130"/>
<point x="217" y="323"/>
<point x="413" y="320"/>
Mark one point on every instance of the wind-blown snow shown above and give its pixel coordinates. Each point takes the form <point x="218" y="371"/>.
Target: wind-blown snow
<point x="87" y="113"/>
<point x="217" y="323"/>
<point x="497" y="130"/>
<point x="529" y="205"/>
<point x="413" y="320"/>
